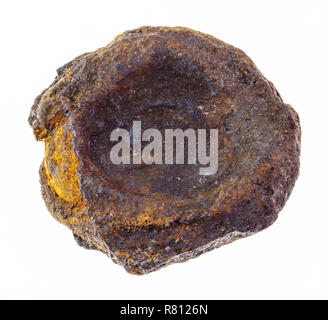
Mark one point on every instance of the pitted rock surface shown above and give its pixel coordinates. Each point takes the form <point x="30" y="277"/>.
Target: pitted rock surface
<point x="147" y="216"/>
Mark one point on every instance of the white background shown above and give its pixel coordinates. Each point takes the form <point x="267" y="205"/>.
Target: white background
<point x="38" y="256"/>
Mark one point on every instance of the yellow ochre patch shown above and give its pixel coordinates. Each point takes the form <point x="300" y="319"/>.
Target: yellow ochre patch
<point x="61" y="164"/>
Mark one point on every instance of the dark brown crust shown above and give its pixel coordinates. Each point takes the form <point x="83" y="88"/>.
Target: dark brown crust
<point x="196" y="81"/>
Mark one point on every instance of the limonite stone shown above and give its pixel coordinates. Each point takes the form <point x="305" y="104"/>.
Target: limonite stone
<point x="147" y="216"/>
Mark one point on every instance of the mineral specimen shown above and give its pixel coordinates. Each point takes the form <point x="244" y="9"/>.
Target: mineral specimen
<point x="147" y="216"/>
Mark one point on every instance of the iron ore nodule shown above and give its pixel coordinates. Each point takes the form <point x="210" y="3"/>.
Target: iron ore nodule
<point x="147" y="216"/>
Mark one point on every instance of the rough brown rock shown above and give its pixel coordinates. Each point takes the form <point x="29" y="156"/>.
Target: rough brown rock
<point x="145" y="217"/>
